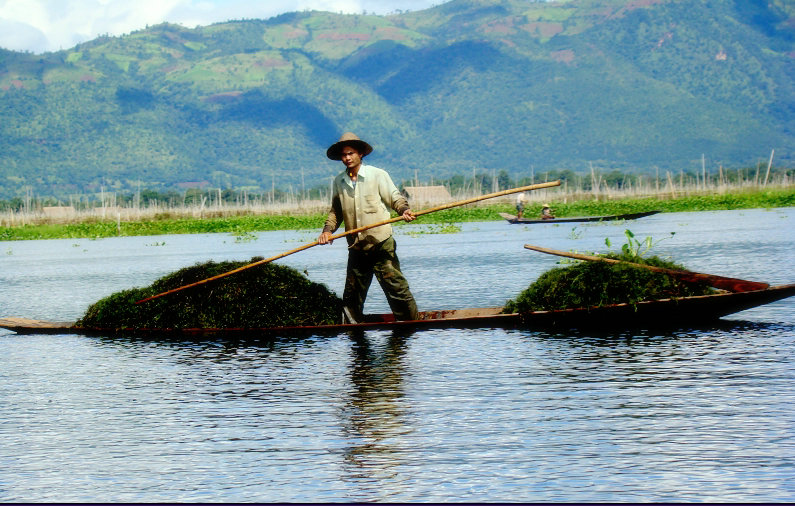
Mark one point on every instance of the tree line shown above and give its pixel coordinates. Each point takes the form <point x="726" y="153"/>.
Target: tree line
<point x="478" y="182"/>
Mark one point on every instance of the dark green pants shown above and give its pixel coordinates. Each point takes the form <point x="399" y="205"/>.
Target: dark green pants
<point x="382" y="261"/>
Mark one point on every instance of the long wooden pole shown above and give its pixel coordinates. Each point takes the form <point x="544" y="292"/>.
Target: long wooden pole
<point x="730" y="284"/>
<point x="356" y="231"/>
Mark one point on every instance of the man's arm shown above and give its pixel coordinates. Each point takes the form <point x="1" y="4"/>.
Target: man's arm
<point x="332" y="221"/>
<point x="392" y="196"/>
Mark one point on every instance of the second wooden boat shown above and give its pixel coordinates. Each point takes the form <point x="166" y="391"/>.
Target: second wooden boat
<point x="527" y="221"/>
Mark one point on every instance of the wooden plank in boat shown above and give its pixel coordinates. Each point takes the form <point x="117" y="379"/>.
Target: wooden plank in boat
<point x="27" y="325"/>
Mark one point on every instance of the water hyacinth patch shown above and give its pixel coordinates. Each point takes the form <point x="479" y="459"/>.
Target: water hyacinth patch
<point x="268" y="295"/>
<point x="594" y="284"/>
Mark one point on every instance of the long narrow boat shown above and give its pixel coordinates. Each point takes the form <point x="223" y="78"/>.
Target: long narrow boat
<point x="679" y="312"/>
<point x="527" y="221"/>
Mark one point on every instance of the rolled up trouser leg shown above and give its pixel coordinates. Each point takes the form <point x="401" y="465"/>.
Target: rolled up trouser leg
<point x="396" y="288"/>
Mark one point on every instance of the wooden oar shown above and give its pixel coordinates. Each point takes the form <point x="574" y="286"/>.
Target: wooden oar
<point x="356" y="231"/>
<point x="730" y="284"/>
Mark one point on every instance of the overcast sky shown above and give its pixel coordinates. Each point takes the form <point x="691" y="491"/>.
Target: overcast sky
<point x="50" y="25"/>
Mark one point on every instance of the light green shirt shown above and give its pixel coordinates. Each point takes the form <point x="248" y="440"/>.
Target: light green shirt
<point x="364" y="203"/>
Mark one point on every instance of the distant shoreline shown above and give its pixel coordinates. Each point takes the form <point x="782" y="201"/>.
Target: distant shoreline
<point x="245" y="224"/>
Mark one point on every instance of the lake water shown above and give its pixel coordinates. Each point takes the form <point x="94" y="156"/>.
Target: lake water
<point x="699" y="414"/>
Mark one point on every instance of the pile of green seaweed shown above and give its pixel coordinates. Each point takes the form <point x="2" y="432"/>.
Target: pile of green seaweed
<point x="594" y="284"/>
<point x="267" y="295"/>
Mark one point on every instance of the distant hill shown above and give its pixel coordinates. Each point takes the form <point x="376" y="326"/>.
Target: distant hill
<point x="484" y="85"/>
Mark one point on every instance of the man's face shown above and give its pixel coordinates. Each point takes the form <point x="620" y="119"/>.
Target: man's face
<point x="350" y="157"/>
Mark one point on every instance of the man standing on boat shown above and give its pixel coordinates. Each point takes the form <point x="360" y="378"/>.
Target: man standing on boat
<point x="521" y="199"/>
<point x="362" y="195"/>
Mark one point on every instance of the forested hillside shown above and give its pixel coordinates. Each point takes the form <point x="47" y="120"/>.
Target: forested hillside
<point x="484" y="85"/>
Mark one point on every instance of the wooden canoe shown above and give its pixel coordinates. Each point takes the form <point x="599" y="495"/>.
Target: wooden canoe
<point x="648" y="314"/>
<point x="527" y="221"/>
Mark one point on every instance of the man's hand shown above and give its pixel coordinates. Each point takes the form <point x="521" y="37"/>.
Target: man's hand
<point x="325" y="238"/>
<point x="408" y="215"/>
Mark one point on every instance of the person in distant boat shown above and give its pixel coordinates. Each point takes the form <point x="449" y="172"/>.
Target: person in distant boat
<point x="546" y="213"/>
<point x="362" y="195"/>
<point x="521" y="199"/>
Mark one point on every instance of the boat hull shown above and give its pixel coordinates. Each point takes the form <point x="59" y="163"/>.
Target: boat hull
<point x="648" y="314"/>
<point x="577" y="219"/>
<point x="679" y="312"/>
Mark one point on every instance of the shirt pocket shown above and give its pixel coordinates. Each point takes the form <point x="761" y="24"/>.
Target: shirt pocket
<point x="371" y="204"/>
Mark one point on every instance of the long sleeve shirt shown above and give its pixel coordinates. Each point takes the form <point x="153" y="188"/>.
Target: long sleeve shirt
<point x="363" y="203"/>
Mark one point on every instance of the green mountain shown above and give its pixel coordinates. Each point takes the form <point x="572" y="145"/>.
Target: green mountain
<point x="484" y="85"/>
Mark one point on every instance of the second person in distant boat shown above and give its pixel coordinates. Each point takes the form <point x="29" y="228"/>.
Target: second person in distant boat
<point x="362" y="195"/>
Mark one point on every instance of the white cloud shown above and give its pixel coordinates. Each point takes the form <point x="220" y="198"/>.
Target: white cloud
<point x="16" y="35"/>
<point x="50" y="25"/>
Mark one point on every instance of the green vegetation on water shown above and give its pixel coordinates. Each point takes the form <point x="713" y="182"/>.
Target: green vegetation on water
<point x="238" y="225"/>
<point x="780" y="197"/>
<point x="267" y="295"/>
<point x="247" y="224"/>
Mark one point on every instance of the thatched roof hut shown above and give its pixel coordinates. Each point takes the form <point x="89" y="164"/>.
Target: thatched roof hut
<point x="427" y="195"/>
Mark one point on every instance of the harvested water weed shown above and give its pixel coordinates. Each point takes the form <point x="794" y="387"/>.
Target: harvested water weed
<point x="268" y="295"/>
<point x="594" y="284"/>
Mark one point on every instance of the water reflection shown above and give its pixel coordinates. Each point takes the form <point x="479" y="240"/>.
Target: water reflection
<point x="374" y="420"/>
<point x="638" y="336"/>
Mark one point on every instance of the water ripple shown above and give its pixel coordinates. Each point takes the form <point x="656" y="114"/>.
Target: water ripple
<point x="481" y="415"/>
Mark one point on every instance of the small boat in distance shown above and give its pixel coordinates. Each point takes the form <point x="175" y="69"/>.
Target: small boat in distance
<point x="674" y="312"/>
<point x="527" y="221"/>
